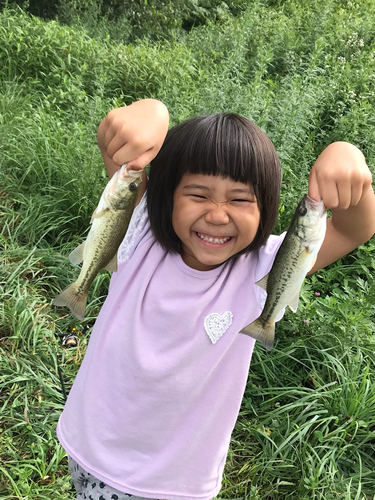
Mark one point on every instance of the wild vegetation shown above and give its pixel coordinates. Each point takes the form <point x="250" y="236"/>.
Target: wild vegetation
<point x="304" y="72"/>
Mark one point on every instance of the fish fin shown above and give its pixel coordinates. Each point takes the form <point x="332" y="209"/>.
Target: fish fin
<point x="264" y="333"/>
<point x="112" y="264"/>
<point x="98" y="213"/>
<point x="293" y="303"/>
<point x="313" y="262"/>
<point x="75" y="301"/>
<point x="93" y="215"/>
<point x="263" y="282"/>
<point x="76" y="257"/>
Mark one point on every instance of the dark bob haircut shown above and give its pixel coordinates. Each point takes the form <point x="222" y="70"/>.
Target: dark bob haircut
<point x="227" y="145"/>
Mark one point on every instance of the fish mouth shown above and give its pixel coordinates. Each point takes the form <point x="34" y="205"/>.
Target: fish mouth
<point x="130" y="174"/>
<point x="314" y="205"/>
<point x="135" y="173"/>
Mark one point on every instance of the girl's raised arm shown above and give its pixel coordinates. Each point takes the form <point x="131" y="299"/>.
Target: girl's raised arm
<point x="342" y="179"/>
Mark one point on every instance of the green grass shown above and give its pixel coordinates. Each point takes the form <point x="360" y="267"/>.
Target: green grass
<point x="304" y="72"/>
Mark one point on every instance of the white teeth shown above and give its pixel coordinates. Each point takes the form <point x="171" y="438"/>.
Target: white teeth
<point x="213" y="240"/>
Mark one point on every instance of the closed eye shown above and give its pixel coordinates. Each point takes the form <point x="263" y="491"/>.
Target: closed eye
<point x="199" y="196"/>
<point x="241" y="201"/>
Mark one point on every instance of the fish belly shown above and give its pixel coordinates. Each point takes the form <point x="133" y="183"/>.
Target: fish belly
<point x="102" y="243"/>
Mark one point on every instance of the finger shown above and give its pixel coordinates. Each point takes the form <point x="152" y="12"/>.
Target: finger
<point x="329" y="194"/>
<point x="143" y="159"/>
<point x="313" y="190"/>
<point x="117" y="141"/>
<point x="356" y="195"/>
<point x="109" y="134"/>
<point x="113" y="127"/>
<point x="135" y="165"/>
<point x="128" y="152"/>
<point x="344" y="194"/>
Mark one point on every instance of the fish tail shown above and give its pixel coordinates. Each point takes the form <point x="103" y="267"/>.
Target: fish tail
<point x="72" y="299"/>
<point x="263" y="332"/>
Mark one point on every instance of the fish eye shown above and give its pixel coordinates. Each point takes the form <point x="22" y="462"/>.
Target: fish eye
<point x="302" y="211"/>
<point x="132" y="186"/>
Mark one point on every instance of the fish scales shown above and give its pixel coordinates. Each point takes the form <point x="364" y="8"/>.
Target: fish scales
<point x="296" y="256"/>
<point x="105" y="244"/>
<point x="101" y="254"/>
<point x="280" y="286"/>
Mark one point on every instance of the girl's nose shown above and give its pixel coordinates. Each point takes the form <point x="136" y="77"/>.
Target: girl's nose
<point x="217" y="214"/>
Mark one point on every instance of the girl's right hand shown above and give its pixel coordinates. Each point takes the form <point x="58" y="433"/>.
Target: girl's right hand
<point x="133" y="134"/>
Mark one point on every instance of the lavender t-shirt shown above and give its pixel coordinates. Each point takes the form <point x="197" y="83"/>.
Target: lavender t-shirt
<point x="157" y="395"/>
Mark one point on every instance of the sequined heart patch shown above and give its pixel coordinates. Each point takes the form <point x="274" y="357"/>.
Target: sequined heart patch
<point x="216" y="325"/>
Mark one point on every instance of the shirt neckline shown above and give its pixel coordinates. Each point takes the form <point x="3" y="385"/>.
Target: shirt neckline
<point x="177" y="259"/>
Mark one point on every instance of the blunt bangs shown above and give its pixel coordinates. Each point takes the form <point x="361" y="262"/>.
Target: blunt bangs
<point x="226" y="145"/>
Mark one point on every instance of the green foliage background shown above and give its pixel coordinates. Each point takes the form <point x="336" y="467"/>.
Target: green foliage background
<point x="127" y="20"/>
<point x="304" y="72"/>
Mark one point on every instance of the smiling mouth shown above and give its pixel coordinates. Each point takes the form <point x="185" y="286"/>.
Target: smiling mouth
<point x="214" y="239"/>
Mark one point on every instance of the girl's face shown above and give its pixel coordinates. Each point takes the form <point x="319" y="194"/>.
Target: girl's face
<point x="214" y="218"/>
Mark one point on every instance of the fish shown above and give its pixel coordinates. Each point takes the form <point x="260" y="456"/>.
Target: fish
<point x="109" y="224"/>
<point x="294" y="259"/>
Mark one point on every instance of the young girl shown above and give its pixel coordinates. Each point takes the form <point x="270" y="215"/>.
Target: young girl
<point x="158" y="393"/>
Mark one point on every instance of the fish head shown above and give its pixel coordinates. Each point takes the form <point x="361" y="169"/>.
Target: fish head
<point x="309" y="221"/>
<point x="123" y="188"/>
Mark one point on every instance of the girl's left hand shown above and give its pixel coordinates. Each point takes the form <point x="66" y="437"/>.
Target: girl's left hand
<point x="339" y="176"/>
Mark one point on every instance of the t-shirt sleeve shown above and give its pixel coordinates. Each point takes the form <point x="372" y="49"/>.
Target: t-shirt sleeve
<point x="138" y="232"/>
<point x="266" y="257"/>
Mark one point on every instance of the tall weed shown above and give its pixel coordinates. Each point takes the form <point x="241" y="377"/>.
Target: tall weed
<point x="304" y="72"/>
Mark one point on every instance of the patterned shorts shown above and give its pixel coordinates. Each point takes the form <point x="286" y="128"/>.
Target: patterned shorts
<point x="90" y="488"/>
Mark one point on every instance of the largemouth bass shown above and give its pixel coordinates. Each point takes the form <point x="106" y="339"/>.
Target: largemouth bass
<point x="296" y="256"/>
<point x="109" y="225"/>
